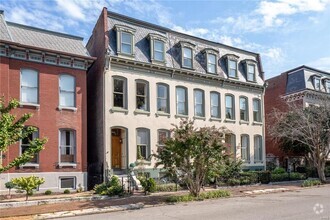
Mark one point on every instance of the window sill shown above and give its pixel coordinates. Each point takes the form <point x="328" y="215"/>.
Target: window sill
<point x="246" y="161"/>
<point x="22" y="105"/>
<point x="158" y="62"/>
<point x="259" y="162"/>
<point x="215" y="119"/>
<point x="257" y="123"/>
<point x="73" y="165"/>
<point x="116" y="109"/>
<point x="251" y="81"/>
<point x="60" y="108"/>
<point x="144" y="162"/>
<point x="244" y="122"/>
<point x="181" y="116"/>
<point x="199" y="118"/>
<point x="126" y="55"/>
<point x="28" y="165"/>
<point x="141" y="112"/>
<point x="163" y="114"/>
<point x="230" y="120"/>
<point x="233" y="77"/>
<point x="187" y="67"/>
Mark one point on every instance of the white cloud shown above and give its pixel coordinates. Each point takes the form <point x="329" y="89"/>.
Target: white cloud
<point x="322" y="63"/>
<point x="72" y="8"/>
<point x="274" y="54"/>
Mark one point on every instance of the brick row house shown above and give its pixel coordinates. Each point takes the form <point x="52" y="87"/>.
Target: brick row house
<point x="46" y="71"/>
<point x="302" y="85"/>
<point x="147" y="77"/>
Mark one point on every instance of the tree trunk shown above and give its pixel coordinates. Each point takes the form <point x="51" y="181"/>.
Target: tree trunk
<point x="320" y="171"/>
<point x="27" y="196"/>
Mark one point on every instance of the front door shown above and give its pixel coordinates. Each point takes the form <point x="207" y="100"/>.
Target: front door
<point x="116" y="150"/>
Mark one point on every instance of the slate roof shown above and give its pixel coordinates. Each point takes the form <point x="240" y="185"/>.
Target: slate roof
<point x="40" y="38"/>
<point x="173" y="49"/>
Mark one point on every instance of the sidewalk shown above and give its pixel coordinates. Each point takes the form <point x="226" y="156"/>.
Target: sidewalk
<point x="138" y="200"/>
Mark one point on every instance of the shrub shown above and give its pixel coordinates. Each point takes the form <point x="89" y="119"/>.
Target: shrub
<point x="148" y="184"/>
<point x="27" y="184"/>
<point x="308" y="183"/>
<point x="233" y="182"/>
<point x="169" y="187"/>
<point x="79" y="189"/>
<point x="48" y="192"/>
<point x="9" y="185"/>
<point x="278" y="170"/>
<point x="287" y="177"/>
<point x="251" y="176"/>
<point x="204" y="195"/>
<point x="66" y="191"/>
<point x="264" y="176"/>
<point x="110" y="188"/>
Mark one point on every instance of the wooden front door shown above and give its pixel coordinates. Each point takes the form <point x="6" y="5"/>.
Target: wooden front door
<point x="116" y="152"/>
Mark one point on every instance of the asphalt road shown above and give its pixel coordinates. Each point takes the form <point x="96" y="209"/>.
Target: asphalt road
<point x="304" y="204"/>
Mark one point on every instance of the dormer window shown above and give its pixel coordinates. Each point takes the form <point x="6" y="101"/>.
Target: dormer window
<point x="125" y="40"/>
<point x="157" y="48"/>
<point x="232" y="61"/>
<point x="251" y="72"/>
<point x="317" y="83"/>
<point x="327" y="85"/>
<point x="211" y="60"/>
<point x="187" y="54"/>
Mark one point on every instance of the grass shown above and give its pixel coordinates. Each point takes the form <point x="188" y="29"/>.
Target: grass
<point x="205" y="195"/>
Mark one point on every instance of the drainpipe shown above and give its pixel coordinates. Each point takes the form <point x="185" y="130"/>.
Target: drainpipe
<point x="264" y="122"/>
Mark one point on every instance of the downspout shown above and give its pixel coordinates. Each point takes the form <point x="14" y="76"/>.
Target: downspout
<point x="264" y="124"/>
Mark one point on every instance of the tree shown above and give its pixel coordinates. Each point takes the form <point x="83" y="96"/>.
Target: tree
<point x="308" y="128"/>
<point x="9" y="185"/>
<point x="193" y="153"/>
<point x="27" y="184"/>
<point x="12" y="130"/>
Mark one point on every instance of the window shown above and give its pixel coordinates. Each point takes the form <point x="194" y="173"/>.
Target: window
<point x="251" y="72"/>
<point x="245" y="148"/>
<point x="159" y="50"/>
<point x="68" y="182"/>
<point x="230" y="111"/>
<point x="181" y="101"/>
<point x="25" y="144"/>
<point x="67" y="91"/>
<point x="257" y="148"/>
<point x="215" y="105"/>
<point x="142" y="96"/>
<point x="327" y="86"/>
<point x="317" y="83"/>
<point x="125" y="40"/>
<point x="119" y="92"/>
<point x="163" y="98"/>
<point x="232" y="70"/>
<point x="29" y="86"/>
<point x="256" y="110"/>
<point x="142" y="142"/>
<point x="243" y="106"/>
<point x="211" y="63"/>
<point x="126" y="43"/>
<point x="230" y="140"/>
<point x="67" y="146"/>
<point x="187" y="57"/>
<point x="199" y="102"/>
<point x="162" y="136"/>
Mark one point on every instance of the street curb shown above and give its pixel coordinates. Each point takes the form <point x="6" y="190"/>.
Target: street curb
<point x="89" y="211"/>
<point x="51" y="201"/>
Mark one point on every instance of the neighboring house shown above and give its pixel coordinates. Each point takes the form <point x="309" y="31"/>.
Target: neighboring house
<point x="302" y="85"/>
<point x="46" y="72"/>
<point x="148" y="77"/>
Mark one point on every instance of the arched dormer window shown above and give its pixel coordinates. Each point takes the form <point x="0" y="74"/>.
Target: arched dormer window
<point x="157" y="48"/>
<point x="187" y="54"/>
<point x="211" y="56"/>
<point x="232" y="65"/>
<point x="125" y="40"/>
<point x="250" y="70"/>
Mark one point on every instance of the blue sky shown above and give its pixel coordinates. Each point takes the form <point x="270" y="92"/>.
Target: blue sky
<point x="287" y="33"/>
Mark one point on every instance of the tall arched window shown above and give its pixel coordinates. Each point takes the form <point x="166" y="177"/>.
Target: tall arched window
<point x="163" y="104"/>
<point x="119" y="92"/>
<point x="143" y="143"/>
<point x="257" y="148"/>
<point x="67" y="91"/>
<point x="199" y="102"/>
<point x="245" y="148"/>
<point x="230" y="107"/>
<point x="243" y="108"/>
<point x="256" y="110"/>
<point x="215" y="105"/>
<point x="181" y="101"/>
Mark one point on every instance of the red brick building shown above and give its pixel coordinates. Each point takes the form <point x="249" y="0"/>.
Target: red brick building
<point x="301" y="85"/>
<point x="46" y="72"/>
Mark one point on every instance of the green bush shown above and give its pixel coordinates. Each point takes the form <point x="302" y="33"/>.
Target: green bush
<point x="251" y="176"/>
<point x="110" y="188"/>
<point x="9" y="185"/>
<point x="205" y="195"/>
<point x="48" y="192"/>
<point x="264" y="176"/>
<point x="278" y="170"/>
<point x="169" y="187"/>
<point x="148" y="184"/>
<point x="66" y="191"/>
<point x="287" y="177"/>
<point x="233" y="182"/>
<point x="308" y="183"/>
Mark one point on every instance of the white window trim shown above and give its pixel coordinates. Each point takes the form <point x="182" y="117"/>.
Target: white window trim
<point x="233" y="118"/>
<point x="68" y="177"/>
<point x="29" y="164"/>
<point x="168" y="134"/>
<point x="146" y="96"/>
<point x="259" y="111"/>
<point x="153" y="38"/>
<point x="167" y="99"/>
<point x="260" y="159"/>
<point x="203" y="104"/>
<point x="124" y="108"/>
<point x="211" y="51"/>
<point x="191" y="46"/>
<point x="148" y="146"/>
<point x="60" y="107"/>
<point x="186" y="102"/>
<point x="67" y="164"/>
<point x="119" y="30"/>
<point x="37" y="105"/>
<point x="219" y="106"/>
<point x="315" y="78"/>
<point x="246" y="109"/>
<point x="248" y="148"/>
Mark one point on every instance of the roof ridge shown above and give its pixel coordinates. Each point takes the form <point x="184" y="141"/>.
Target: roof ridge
<point x="46" y="31"/>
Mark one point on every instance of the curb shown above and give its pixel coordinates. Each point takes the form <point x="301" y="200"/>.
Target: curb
<point x="89" y="211"/>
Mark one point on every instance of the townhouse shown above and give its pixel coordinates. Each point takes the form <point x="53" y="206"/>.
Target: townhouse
<point x="46" y="72"/>
<point x="303" y="85"/>
<point x="147" y="77"/>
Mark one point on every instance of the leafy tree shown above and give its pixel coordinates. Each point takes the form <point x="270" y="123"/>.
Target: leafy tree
<point x="308" y="128"/>
<point x="27" y="184"/>
<point x="12" y="130"/>
<point x="192" y="153"/>
<point x="9" y="185"/>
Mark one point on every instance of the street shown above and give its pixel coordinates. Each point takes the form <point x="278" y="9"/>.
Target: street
<point x="308" y="204"/>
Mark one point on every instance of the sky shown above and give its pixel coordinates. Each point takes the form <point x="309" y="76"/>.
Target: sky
<point x="286" y="33"/>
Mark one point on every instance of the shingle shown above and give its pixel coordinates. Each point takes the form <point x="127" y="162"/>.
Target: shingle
<point x="46" y="39"/>
<point x="4" y="34"/>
